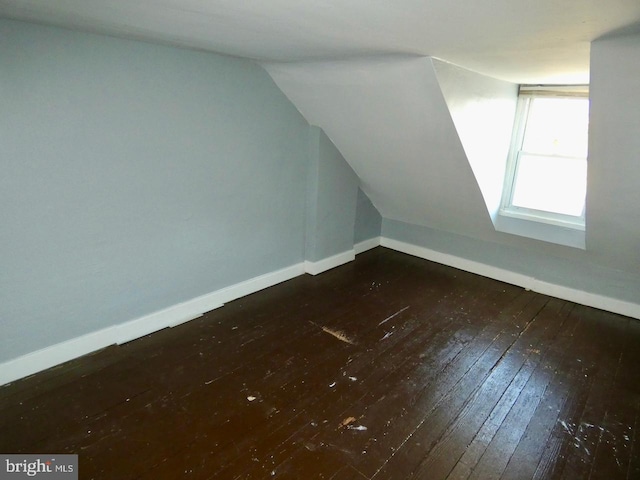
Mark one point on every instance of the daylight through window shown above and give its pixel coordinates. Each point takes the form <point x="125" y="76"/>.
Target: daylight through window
<point x="547" y="171"/>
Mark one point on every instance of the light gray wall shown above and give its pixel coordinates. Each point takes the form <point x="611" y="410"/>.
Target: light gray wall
<point x="368" y="219"/>
<point x="331" y="199"/>
<point x="613" y="185"/>
<point x="133" y="177"/>
<point x="546" y="263"/>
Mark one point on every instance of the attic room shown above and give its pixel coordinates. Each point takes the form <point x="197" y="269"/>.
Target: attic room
<point x="290" y="240"/>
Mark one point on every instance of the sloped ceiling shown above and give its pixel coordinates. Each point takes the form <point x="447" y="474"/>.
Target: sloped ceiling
<point x="364" y="71"/>
<point x="390" y="121"/>
<point x="522" y="42"/>
<point x="483" y="110"/>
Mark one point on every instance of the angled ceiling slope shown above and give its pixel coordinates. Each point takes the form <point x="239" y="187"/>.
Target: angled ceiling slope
<point x="483" y="111"/>
<point x="545" y="41"/>
<point x="390" y="120"/>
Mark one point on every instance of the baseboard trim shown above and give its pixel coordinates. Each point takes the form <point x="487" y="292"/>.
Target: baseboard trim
<point x="365" y="245"/>
<point x="559" y="291"/>
<point x="169" y="317"/>
<point x="315" y="268"/>
<point x="177" y="314"/>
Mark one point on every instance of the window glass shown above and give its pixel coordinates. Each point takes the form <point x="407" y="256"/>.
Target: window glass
<point x="551" y="184"/>
<point x="547" y="177"/>
<point x="557" y="126"/>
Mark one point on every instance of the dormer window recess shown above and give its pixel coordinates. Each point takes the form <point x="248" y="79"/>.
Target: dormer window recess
<point x="546" y="176"/>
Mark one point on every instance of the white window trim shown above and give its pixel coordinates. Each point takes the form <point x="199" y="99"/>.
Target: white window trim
<point x="547" y="226"/>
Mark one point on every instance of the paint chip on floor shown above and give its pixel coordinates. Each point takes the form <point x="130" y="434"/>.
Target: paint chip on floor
<point x="347" y="421"/>
<point x="338" y="334"/>
<point x="360" y="428"/>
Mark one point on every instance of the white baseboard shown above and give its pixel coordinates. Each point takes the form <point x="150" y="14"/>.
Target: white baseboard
<point x="169" y="317"/>
<point x="56" y="354"/>
<point x="573" y="295"/>
<point x="314" y="268"/>
<point x="365" y="245"/>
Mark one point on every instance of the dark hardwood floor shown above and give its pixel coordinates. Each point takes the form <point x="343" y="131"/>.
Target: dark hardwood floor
<point x="390" y="367"/>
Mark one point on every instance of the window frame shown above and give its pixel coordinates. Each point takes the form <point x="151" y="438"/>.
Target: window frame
<point x="525" y="96"/>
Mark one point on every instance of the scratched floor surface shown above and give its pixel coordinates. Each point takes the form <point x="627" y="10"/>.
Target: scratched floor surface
<point x="390" y="367"/>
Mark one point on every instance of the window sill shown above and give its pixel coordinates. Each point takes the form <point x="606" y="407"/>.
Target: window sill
<point x="567" y="235"/>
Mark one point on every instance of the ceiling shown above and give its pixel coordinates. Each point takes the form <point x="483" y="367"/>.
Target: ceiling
<point x="542" y="41"/>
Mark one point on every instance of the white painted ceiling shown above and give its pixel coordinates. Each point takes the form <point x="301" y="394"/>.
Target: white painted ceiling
<point x="520" y="41"/>
<point x="391" y="122"/>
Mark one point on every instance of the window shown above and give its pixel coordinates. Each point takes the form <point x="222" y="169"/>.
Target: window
<point x="546" y="177"/>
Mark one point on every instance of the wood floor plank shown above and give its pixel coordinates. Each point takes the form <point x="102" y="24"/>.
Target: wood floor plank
<point x="605" y="349"/>
<point x="520" y="359"/>
<point x="432" y="381"/>
<point x="348" y="473"/>
<point x="531" y="447"/>
<point x="633" y="470"/>
<point x="463" y="413"/>
<point x="582" y="368"/>
<point x="561" y="437"/>
<point x="613" y="453"/>
<point x="390" y="367"/>
<point x="473" y="451"/>
<point x="503" y="444"/>
<point x="355" y="365"/>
